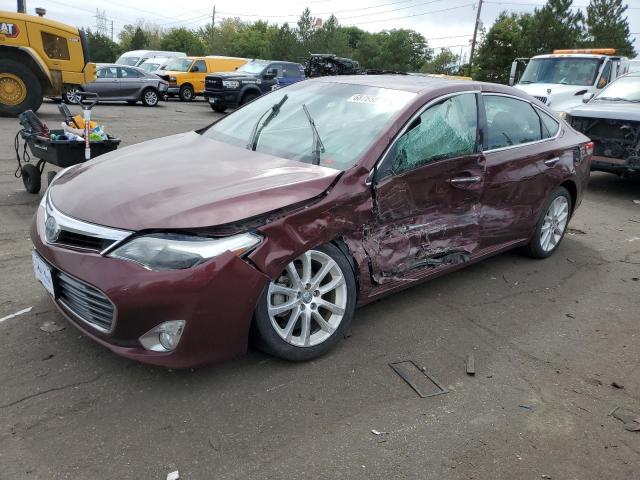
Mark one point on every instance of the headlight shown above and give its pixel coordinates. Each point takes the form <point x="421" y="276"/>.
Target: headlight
<point x="171" y="251"/>
<point x="230" y="83"/>
<point x="172" y="79"/>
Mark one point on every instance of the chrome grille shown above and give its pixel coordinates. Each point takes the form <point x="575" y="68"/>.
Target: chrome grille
<point x="78" y="240"/>
<point x="86" y="302"/>
<point x="542" y="99"/>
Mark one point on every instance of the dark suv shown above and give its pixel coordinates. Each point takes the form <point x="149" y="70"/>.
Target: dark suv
<point x="232" y="89"/>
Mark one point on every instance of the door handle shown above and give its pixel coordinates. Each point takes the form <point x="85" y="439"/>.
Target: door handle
<point x="550" y="162"/>
<point x="464" y="180"/>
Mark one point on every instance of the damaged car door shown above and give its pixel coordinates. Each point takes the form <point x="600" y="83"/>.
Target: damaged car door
<point x="427" y="191"/>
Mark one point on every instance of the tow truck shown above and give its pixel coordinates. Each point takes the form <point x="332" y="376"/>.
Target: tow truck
<point x="566" y="78"/>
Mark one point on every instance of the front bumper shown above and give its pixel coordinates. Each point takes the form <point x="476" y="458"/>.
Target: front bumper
<point x="173" y="90"/>
<point x="216" y="299"/>
<point x="163" y="88"/>
<point x="225" y="98"/>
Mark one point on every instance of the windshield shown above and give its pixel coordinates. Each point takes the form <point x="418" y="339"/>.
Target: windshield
<point x="562" y="70"/>
<point x="252" y="67"/>
<point x="150" y="67"/>
<point x="131" y="61"/>
<point x="179" y="65"/>
<point x="348" y="119"/>
<point x="624" y="88"/>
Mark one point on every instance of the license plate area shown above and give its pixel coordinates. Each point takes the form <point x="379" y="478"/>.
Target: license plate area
<point x="43" y="273"/>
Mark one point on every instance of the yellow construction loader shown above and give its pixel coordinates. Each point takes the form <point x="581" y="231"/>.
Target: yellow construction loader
<point x="39" y="58"/>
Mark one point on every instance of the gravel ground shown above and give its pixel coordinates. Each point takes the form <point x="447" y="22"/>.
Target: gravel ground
<point x="549" y="337"/>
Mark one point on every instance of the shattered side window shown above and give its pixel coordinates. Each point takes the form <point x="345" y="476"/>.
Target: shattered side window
<point x="445" y="130"/>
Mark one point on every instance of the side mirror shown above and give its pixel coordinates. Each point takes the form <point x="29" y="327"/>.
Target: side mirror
<point x="587" y="96"/>
<point x="270" y="74"/>
<point x="195" y="68"/>
<point x="512" y="73"/>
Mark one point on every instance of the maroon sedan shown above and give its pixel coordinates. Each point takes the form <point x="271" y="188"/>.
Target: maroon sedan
<point x="276" y="221"/>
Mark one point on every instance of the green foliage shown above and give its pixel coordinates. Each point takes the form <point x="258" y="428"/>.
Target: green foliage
<point x="445" y="62"/>
<point x="607" y="27"/>
<point x="182" y="40"/>
<point x="101" y="48"/>
<point x="554" y="26"/>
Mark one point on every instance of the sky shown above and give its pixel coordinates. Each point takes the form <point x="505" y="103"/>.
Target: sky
<point x="444" y="23"/>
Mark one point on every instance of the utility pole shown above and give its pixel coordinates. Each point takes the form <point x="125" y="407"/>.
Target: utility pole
<point x="475" y="32"/>
<point x="22" y="6"/>
<point x="112" y="30"/>
<point x="213" y="17"/>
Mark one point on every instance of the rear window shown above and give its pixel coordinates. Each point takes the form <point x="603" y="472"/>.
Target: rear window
<point x="55" y="47"/>
<point x="510" y="122"/>
<point x="550" y="125"/>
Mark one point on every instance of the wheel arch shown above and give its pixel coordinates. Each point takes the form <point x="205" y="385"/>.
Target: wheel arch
<point x="29" y="57"/>
<point x="572" y="188"/>
<point x="249" y="89"/>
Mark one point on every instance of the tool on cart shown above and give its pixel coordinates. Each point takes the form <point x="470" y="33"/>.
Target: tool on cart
<point x="77" y="141"/>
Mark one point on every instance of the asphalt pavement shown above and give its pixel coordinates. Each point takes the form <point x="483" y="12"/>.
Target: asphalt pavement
<point x="548" y="339"/>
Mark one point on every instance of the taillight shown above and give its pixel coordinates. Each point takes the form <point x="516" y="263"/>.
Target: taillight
<point x="589" y="148"/>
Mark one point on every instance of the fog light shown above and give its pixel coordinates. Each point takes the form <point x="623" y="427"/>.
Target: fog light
<point x="164" y="337"/>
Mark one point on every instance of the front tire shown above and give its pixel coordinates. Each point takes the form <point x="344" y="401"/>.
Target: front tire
<point x="20" y="89"/>
<point x="186" y="93"/>
<point x="218" y="108"/>
<point x="552" y="225"/>
<point x="305" y="311"/>
<point x="247" y="97"/>
<point x="150" y="97"/>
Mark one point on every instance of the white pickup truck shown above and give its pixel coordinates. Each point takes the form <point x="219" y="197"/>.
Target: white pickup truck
<point x="564" y="78"/>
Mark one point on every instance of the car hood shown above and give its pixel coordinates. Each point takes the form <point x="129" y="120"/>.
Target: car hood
<point x="561" y="98"/>
<point x="184" y="181"/>
<point x="608" y="110"/>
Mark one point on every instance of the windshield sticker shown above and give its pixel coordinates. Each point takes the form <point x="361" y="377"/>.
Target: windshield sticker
<point x="370" y="99"/>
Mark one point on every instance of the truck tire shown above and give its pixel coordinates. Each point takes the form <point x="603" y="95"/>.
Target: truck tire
<point x="20" y="89"/>
<point x="186" y="93"/>
<point x="247" y="97"/>
<point x="218" y="108"/>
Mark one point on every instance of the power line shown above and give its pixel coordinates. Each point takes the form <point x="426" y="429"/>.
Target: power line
<point x="414" y="15"/>
<point x="543" y="4"/>
<point x="393" y="10"/>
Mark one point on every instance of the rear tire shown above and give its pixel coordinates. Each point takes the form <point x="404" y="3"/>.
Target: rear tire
<point x="150" y="97"/>
<point x="70" y="95"/>
<point x="552" y="224"/>
<point x="20" y="89"/>
<point x="218" y="108"/>
<point x="304" y="312"/>
<point x="186" y="93"/>
<point x="31" y="178"/>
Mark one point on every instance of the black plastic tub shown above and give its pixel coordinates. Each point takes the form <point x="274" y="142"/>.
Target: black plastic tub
<point x="65" y="153"/>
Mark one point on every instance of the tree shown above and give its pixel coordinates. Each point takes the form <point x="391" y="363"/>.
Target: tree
<point x="306" y="29"/>
<point x="402" y="50"/>
<point x="101" y="48"/>
<point x="445" y="62"/>
<point x="503" y="43"/>
<point x="142" y="35"/>
<point x="608" y="27"/>
<point x="182" y="40"/>
<point x="284" y="44"/>
<point x="554" y="26"/>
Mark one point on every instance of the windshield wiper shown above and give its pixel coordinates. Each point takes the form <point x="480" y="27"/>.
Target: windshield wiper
<point x="260" y="125"/>
<point x="318" y="146"/>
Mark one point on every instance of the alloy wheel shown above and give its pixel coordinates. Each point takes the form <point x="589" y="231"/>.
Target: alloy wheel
<point x="307" y="302"/>
<point x="151" y="98"/>
<point x="72" y="96"/>
<point x="554" y="223"/>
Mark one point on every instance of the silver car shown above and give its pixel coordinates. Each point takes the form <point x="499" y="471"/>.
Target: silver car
<point x="122" y="83"/>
